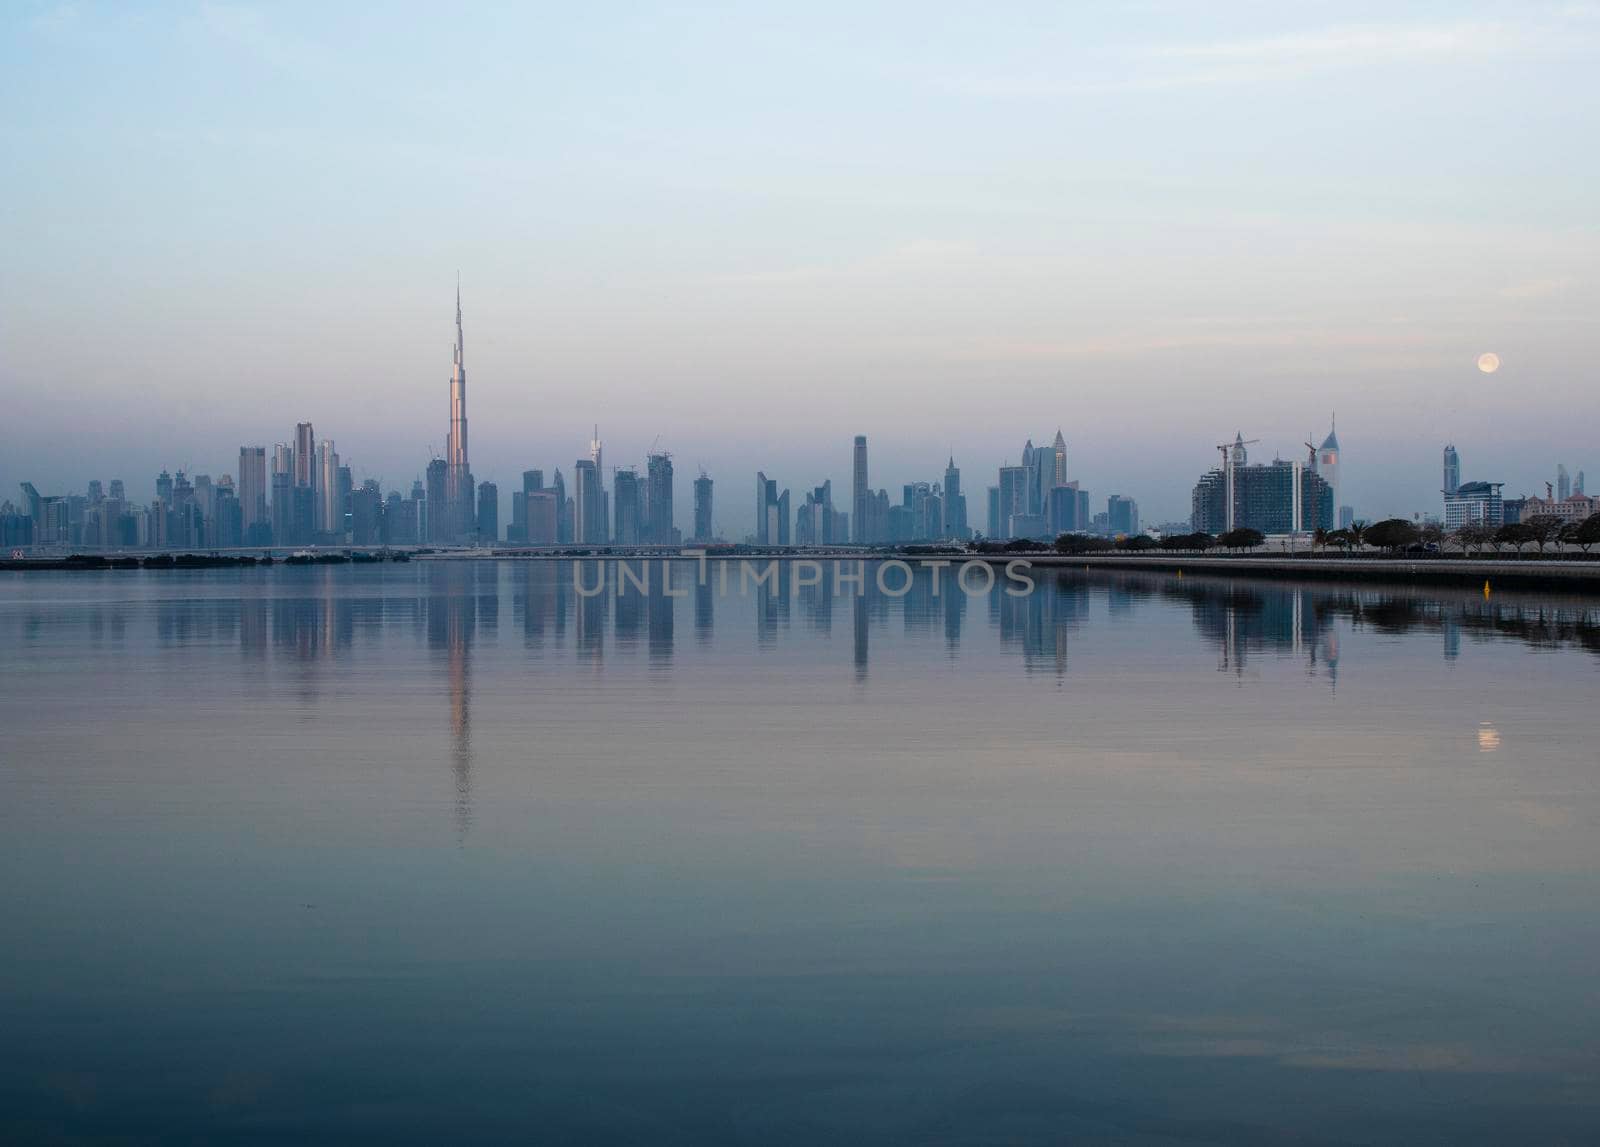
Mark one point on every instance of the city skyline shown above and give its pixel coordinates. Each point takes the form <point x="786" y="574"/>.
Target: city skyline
<point x="229" y="219"/>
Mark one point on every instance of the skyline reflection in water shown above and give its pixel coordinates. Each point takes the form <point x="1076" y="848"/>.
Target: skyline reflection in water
<point x="387" y="853"/>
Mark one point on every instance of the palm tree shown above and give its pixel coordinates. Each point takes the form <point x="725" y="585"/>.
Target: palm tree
<point x="1357" y="530"/>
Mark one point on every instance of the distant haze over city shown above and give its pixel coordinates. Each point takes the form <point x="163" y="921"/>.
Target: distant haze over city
<point x="746" y="237"/>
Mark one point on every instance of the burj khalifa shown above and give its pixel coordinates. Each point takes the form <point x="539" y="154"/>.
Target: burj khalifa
<point x="458" y="473"/>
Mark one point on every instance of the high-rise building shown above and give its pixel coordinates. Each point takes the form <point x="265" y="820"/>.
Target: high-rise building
<point x="436" y="517"/>
<point x="544" y="517"/>
<point x="1577" y="483"/>
<point x="517" y="531"/>
<point x="282" y="523"/>
<point x="702" y="508"/>
<point x="1452" y="470"/>
<point x="659" y="529"/>
<point x="1474" y="503"/>
<point x="1328" y="469"/>
<point x="772" y="513"/>
<point x="488" y="530"/>
<point x="955" y="503"/>
<point x="625" y="485"/>
<point x="1563" y="482"/>
<point x="366" y="513"/>
<point x="252" y="492"/>
<point x="1122" y="515"/>
<point x="1277" y="498"/>
<point x="565" y="513"/>
<point x="459" y="519"/>
<point x="860" y="493"/>
<point x="815" y="521"/>
<point x="305" y="454"/>
<point x="1013" y="504"/>
<point x="588" y="505"/>
<point x="330" y="507"/>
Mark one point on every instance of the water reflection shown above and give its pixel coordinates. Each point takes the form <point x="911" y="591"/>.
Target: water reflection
<point x="314" y="617"/>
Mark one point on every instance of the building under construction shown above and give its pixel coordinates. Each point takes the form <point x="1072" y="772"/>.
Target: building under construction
<point x="1277" y="498"/>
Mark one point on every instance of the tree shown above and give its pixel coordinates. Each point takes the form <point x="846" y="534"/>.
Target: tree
<point x="1543" y="528"/>
<point x="1474" y="534"/>
<point x="1136" y="542"/>
<point x="1513" y="534"/>
<point x="1319" y="538"/>
<point x="1433" y="534"/>
<point x="1357" y="530"/>
<point x="1243" y="538"/>
<point x="1582" y="534"/>
<point x="1392" y="534"/>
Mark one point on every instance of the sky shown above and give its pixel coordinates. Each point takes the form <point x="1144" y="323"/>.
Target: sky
<point x="747" y="233"/>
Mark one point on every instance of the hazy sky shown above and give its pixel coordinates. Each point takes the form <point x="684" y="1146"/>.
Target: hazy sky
<point x="757" y="232"/>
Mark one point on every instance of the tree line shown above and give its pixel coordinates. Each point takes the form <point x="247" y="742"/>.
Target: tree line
<point x="1392" y="535"/>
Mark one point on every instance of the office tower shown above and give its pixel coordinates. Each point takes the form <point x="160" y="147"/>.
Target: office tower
<point x="659" y="530"/>
<point x="1059" y="455"/>
<point x="955" y="503"/>
<point x="517" y="531"/>
<point x="1013" y="499"/>
<point x="1122" y="515"/>
<point x="702" y="508"/>
<point x="544" y="517"/>
<point x="1327" y="468"/>
<point x="224" y="525"/>
<point x="366" y="513"/>
<point x="860" y="492"/>
<point x="1452" y="470"/>
<point x="1563" y="483"/>
<point x="565" y="511"/>
<point x="772" y="513"/>
<point x="330" y="510"/>
<point x="282" y="523"/>
<point x="343" y="487"/>
<point x="1474" y="504"/>
<point x="252" y="490"/>
<point x="457" y="518"/>
<point x="588" y="508"/>
<point x="597" y="456"/>
<point x="96" y="492"/>
<point x="488" y="526"/>
<point x="164" y="487"/>
<point x="435" y="506"/>
<point x="116" y="490"/>
<point x="1577" y="483"/>
<point x="815" y="520"/>
<point x="305" y="455"/>
<point x="1069" y="510"/>
<point x="625" y="484"/>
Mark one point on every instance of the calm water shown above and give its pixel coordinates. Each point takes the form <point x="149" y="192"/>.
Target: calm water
<point x="444" y="853"/>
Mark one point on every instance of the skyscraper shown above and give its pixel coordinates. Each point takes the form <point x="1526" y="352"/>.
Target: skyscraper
<point x="955" y="502"/>
<point x="1452" y="470"/>
<point x="860" y="492"/>
<point x="488" y="530"/>
<point x="772" y="513"/>
<point x="458" y="472"/>
<point x="252" y="492"/>
<point x="588" y="509"/>
<point x="702" y="508"/>
<point x="282" y="494"/>
<point x="659" y="529"/>
<point x="330" y="508"/>
<point x="625" y="484"/>
<point x="305" y="454"/>
<point x="1563" y="483"/>
<point x="1327" y="467"/>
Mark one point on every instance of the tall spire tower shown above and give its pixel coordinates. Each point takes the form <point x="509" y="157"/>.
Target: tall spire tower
<point x="458" y="473"/>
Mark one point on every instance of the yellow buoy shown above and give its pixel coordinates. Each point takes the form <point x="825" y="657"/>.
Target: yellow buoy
<point x="1180" y="573"/>
<point x="1485" y="587"/>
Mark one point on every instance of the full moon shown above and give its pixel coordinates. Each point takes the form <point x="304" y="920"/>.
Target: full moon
<point x="1489" y="363"/>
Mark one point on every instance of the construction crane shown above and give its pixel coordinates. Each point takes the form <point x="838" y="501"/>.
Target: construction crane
<point x="1227" y="446"/>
